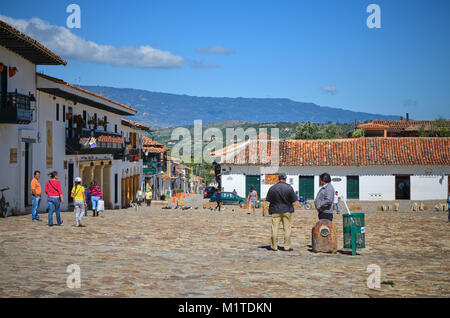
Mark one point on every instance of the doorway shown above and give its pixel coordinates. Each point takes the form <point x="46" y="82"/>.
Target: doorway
<point x="402" y="187"/>
<point x="70" y="180"/>
<point x="352" y="187"/>
<point x="254" y="181"/>
<point x="306" y="187"/>
<point x="27" y="170"/>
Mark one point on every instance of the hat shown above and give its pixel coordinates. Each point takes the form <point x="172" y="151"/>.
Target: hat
<point x="282" y="176"/>
<point x="77" y="179"/>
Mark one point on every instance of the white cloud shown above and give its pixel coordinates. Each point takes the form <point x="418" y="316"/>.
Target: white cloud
<point x="70" y="46"/>
<point x="201" y="65"/>
<point x="329" y="89"/>
<point x="218" y="49"/>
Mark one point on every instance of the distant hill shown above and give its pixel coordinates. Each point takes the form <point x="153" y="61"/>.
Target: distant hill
<point x="165" y="110"/>
<point x="285" y="130"/>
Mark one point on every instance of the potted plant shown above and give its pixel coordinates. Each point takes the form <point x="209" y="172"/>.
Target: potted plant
<point x="92" y="122"/>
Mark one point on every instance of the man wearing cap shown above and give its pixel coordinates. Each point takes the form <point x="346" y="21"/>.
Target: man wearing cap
<point x="281" y="196"/>
<point x="325" y="198"/>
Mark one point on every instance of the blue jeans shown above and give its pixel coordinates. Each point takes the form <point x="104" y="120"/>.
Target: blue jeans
<point x="336" y="206"/>
<point x="35" y="205"/>
<point x="54" y="204"/>
<point x="94" y="201"/>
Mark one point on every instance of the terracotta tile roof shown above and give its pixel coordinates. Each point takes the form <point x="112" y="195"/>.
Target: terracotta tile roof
<point x="134" y="124"/>
<point x="236" y="147"/>
<point x="60" y="81"/>
<point x="378" y="151"/>
<point x="150" y="142"/>
<point x="155" y="149"/>
<point x="28" y="48"/>
<point x="372" y="126"/>
<point x="397" y="125"/>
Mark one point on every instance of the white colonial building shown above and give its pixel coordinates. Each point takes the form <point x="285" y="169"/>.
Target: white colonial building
<point x="20" y="131"/>
<point x="47" y="124"/>
<point x="379" y="168"/>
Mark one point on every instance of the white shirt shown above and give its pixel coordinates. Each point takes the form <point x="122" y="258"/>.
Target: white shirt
<point x="336" y="198"/>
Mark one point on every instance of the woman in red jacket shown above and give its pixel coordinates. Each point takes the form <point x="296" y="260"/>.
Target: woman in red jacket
<point x="54" y="198"/>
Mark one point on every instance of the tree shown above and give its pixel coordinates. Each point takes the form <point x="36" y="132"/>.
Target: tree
<point x="358" y="133"/>
<point x="439" y="128"/>
<point x="317" y="131"/>
<point x="308" y="130"/>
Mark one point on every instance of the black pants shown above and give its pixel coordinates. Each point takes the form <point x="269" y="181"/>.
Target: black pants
<point x="218" y="206"/>
<point x="149" y="201"/>
<point x="327" y="216"/>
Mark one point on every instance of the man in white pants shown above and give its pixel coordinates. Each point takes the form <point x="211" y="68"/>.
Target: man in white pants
<point x="79" y="196"/>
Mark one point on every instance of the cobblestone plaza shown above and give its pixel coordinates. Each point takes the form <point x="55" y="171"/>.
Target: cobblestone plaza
<point x="199" y="253"/>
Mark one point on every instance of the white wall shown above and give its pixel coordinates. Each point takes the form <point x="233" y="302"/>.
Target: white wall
<point x="234" y="181"/>
<point x="375" y="183"/>
<point x="12" y="175"/>
<point x="428" y="187"/>
<point x="25" y="79"/>
<point x="377" y="187"/>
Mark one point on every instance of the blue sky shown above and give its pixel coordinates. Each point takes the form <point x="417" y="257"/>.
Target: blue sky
<point x="311" y="51"/>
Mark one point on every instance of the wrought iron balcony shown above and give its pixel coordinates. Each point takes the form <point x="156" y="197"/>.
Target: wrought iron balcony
<point x="78" y="141"/>
<point x="15" y="108"/>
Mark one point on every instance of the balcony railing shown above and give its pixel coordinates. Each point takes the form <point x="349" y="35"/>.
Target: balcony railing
<point x="78" y="142"/>
<point x="15" y="108"/>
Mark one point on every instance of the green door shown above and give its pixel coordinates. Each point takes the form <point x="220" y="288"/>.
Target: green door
<point x="306" y="187"/>
<point x="254" y="181"/>
<point x="352" y="187"/>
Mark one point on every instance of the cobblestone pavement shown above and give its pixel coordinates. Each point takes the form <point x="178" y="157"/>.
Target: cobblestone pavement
<point x="199" y="253"/>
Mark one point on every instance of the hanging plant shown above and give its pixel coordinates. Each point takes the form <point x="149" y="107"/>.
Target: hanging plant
<point x="68" y="116"/>
<point x="2" y="67"/>
<point x="12" y="71"/>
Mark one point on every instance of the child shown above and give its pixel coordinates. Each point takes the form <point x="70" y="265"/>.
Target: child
<point x="79" y="196"/>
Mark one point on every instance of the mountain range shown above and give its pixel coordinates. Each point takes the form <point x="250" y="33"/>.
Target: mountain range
<point x="157" y="109"/>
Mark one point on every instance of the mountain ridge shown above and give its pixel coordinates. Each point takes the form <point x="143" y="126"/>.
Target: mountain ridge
<point x="158" y="109"/>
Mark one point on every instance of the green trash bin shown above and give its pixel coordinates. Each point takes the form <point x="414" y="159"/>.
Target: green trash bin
<point x="354" y="231"/>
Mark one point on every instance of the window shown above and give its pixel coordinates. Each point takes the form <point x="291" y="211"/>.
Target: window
<point x="57" y="112"/>
<point x="3" y="87"/>
<point x="64" y="113"/>
<point x="115" y="129"/>
<point x="116" y="188"/>
<point x="105" y="119"/>
<point x="85" y="118"/>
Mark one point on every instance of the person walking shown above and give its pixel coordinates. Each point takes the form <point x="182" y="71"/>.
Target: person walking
<point x="96" y="195"/>
<point x="448" y="205"/>
<point x="252" y="199"/>
<point x="336" y="202"/>
<point x="36" y="192"/>
<point x="218" y="199"/>
<point x="281" y="197"/>
<point x="79" y="196"/>
<point x="325" y="198"/>
<point x="139" y="196"/>
<point x="88" y="198"/>
<point x="54" y="198"/>
<point x="148" y="196"/>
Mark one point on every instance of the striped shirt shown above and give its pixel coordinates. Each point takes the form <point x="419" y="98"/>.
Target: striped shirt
<point x="96" y="192"/>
